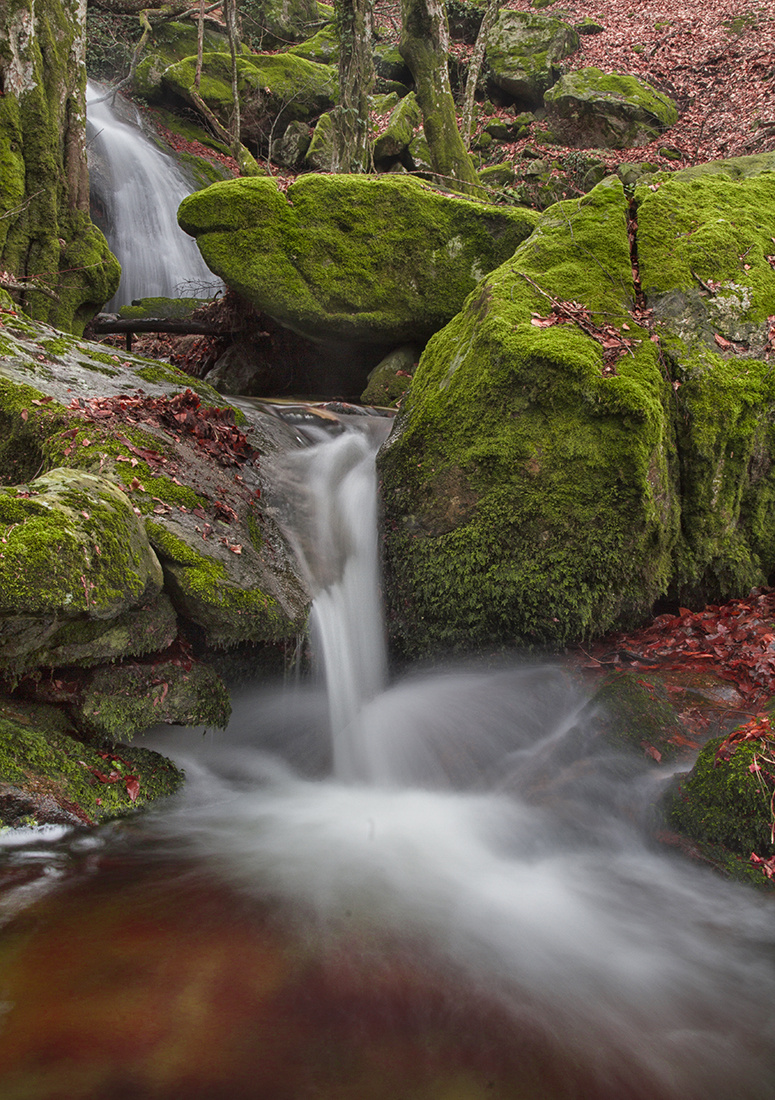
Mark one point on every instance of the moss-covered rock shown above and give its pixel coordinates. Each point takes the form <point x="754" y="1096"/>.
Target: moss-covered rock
<point x="118" y="701"/>
<point x="176" y="491"/>
<point x="524" y="51"/>
<point x="725" y="802"/>
<point x="405" y="120"/>
<point x="351" y="257"/>
<point x="72" y="545"/>
<point x="703" y="244"/>
<point x="274" y="89"/>
<point x="49" y="776"/>
<point x="268" y="24"/>
<point x="322" y="48"/>
<point x="589" y="108"/>
<point x="633" y="710"/>
<point x="319" y="156"/>
<point x="47" y="239"/>
<point x="390" y="379"/>
<point x="528" y="493"/>
<point x="169" y="43"/>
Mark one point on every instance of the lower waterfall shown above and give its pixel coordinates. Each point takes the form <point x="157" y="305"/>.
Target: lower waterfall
<point x="436" y="888"/>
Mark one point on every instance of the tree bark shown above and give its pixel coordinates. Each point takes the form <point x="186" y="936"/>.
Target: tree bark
<point x="352" y="148"/>
<point x="474" y="68"/>
<point x="425" y="47"/>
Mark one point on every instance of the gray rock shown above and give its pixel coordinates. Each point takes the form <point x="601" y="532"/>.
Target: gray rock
<point x="592" y="109"/>
<point x="524" y="52"/>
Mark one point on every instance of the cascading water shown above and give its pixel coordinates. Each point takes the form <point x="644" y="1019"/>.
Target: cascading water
<point x="474" y="863"/>
<point x="138" y="189"/>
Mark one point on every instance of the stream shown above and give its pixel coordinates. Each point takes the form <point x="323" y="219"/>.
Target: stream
<point x="436" y="887"/>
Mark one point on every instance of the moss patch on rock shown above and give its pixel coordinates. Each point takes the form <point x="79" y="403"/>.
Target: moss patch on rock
<point x="351" y="257"/>
<point x="703" y="243"/>
<point x="529" y="497"/>
<point x="118" y="701"/>
<point x="48" y="776"/>
<point x="589" y="108"/>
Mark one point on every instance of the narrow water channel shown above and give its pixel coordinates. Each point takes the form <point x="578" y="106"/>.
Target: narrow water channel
<point x="436" y="888"/>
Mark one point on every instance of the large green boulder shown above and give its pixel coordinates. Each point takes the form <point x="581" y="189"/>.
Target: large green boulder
<point x="268" y="24"/>
<point x="370" y="259"/>
<point x="178" y="465"/>
<point x="705" y="256"/>
<point x="57" y="262"/>
<point x="524" y="51"/>
<point x="274" y="90"/>
<point x="529" y="489"/>
<point x="591" y="109"/>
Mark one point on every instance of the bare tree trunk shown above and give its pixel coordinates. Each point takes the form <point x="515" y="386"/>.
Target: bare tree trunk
<point x="474" y="68"/>
<point x="425" y="47"/>
<point x="200" y="41"/>
<point x="230" y="11"/>
<point x="352" y="151"/>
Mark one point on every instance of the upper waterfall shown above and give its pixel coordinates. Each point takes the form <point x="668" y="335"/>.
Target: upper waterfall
<point x="139" y="188"/>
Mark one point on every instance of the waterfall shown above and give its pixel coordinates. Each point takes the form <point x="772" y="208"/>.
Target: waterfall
<point x="475" y="854"/>
<point x="136" y="192"/>
<point x="329" y="513"/>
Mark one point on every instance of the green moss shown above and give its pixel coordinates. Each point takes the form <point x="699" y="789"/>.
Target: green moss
<point x="494" y="523"/>
<point x="202" y="590"/>
<point x="77" y="550"/>
<point x="124" y="699"/>
<point x="331" y="258"/>
<point x="723" y="803"/>
<point x="588" y="107"/>
<point x="46" y="771"/>
<point x="633" y="710"/>
<point x="23" y="437"/>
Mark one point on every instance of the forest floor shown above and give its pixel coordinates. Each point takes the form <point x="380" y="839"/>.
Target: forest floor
<point x="715" y="60"/>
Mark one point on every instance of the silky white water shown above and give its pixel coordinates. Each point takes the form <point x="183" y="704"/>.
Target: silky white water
<point x="140" y="189"/>
<point x="472" y="811"/>
<point x="469" y="818"/>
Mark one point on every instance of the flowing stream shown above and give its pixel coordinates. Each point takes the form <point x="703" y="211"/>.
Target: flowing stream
<point x="136" y="190"/>
<point x="432" y="889"/>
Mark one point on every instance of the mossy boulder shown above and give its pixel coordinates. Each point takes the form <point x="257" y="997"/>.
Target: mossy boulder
<point x="169" y="43"/>
<point x="49" y="776"/>
<point x="724" y="802"/>
<point x="390" y="379"/>
<point x="378" y="260"/>
<point x="118" y="701"/>
<point x="290" y="150"/>
<point x="322" y="48"/>
<point x="524" y="52"/>
<point x="704" y="242"/>
<point x="319" y="156"/>
<point x="635" y="711"/>
<point x="404" y="122"/>
<point x="269" y="24"/>
<point x="227" y="569"/>
<point x="530" y="495"/>
<point x="47" y="239"/>
<point x="72" y="545"/>
<point x="274" y="89"/>
<point x="591" y="109"/>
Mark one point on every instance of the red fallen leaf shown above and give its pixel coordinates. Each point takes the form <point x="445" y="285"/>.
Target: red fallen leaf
<point x="655" y="754"/>
<point x="132" y="786"/>
<point x="236" y="549"/>
<point x="24" y="414"/>
<point x="722" y="343"/>
<point x="766" y="866"/>
<point x="135" y="483"/>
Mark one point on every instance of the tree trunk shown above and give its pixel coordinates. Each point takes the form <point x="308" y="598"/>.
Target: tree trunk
<point x="474" y="68"/>
<point x="230" y="11"/>
<point x="352" y="151"/>
<point x="425" y="46"/>
<point x="200" y="40"/>
<point x="55" y="262"/>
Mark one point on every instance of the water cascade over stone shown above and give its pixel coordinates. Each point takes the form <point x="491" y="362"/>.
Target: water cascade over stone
<point x="474" y="860"/>
<point x="330" y="515"/>
<point x="136" y="191"/>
